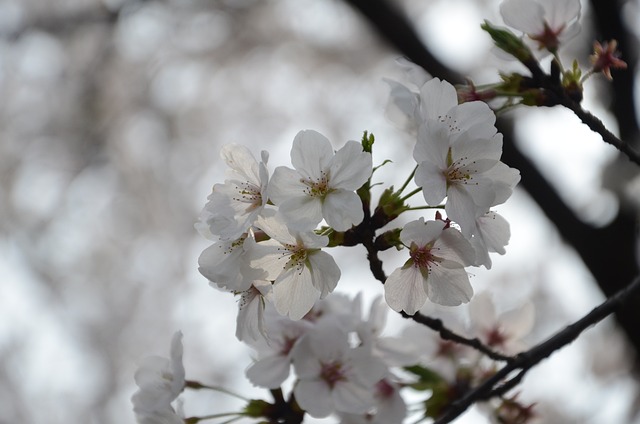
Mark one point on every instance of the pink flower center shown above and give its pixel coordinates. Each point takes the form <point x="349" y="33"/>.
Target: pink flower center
<point x="548" y="38"/>
<point x="333" y="373"/>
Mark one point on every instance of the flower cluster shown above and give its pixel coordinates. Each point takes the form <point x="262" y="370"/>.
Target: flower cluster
<point x="341" y="362"/>
<point x="265" y="246"/>
<point x="458" y="153"/>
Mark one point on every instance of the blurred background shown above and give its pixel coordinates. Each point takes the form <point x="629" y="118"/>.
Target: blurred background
<point x="112" y="114"/>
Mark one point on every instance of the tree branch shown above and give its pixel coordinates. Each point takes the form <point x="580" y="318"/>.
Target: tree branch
<point x="527" y="360"/>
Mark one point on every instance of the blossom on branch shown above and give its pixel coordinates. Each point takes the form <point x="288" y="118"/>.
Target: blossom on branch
<point x="435" y="269"/>
<point x="300" y="271"/>
<point x="547" y="22"/>
<point x="322" y="184"/>
<point x="458" y="154"/>
<point x="332" y="375"/>
<point x="234" y="205"/>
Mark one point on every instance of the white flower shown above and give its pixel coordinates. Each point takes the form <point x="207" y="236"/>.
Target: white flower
<point x="301" y="272"/>
<point x="435" y="269"/>
<point x="332" y="375"/>
<point x="224" y="263"/>
<point x="234" y="205"/>
<point x="504" y="331"/>
<point x="272" y="367"/>
<point x="548" y="22"/>
<point x="492" y="235"/>
<point x="160" y="381"/>
<point x="322" y="184"/>
<point x="458" y="154"/>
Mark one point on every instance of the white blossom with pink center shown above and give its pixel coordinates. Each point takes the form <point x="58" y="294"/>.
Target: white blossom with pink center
<point x="333" y="376"/>
<point x="435" y="269"/>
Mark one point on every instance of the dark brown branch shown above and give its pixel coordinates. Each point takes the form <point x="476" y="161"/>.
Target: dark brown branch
<point x="527" y="360"/>
<point x="438" y="326"/>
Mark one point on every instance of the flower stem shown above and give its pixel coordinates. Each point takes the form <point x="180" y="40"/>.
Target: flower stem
<point x="417" y="190"/>
<point x="417" y="208"/>
<point x="408" y="180"/>
<point x="195" y="385"/>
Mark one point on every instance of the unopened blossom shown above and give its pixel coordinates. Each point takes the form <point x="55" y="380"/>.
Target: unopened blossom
<point x="322" y="184"/>
<point x="503" y="331"/>
<point x="300" y="271"/>
<point x="234" y="205"/>
<point x="434" y="270"/>
<point x="458" y="154"/>
<point x="492" y="235"/>
<point x="547" y="22"/>
<point x="332" y="376"/>
<point x="160" y="381"/>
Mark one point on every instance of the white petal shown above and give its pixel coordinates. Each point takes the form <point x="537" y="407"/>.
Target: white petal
<point x="403" y="107"/>
<point x="301" y="213"/>
<point x="276" y="229"/>
<point x="430" y="177"/>
<point x="560" y="13"/>
<point x="437" y="98"/>
<point x="519" y="322"/>
<point x="351" y="167"/>
<point x="421" y="232"/>
<point x="433" y="143"/>
<point x="269" y="372"/>
<point x="314" y="396"/>
<point x="404" y="290"/>
<point x="524" y="15"/>
<point x="453" y="245"/>
<point x="495" y="232"/>
<point x="284" y="183"/>
<point x="311" y="154"/>
<point x="324" y="272"/>
<point x="294" y="294"/>
<point x="482" y="313"/>
<point x="342" y="209"/>
<point x="241" y="160"/>
<point x="462" y="209"/>
<point x="353" y="398"/>
<point x="448" y="285"/>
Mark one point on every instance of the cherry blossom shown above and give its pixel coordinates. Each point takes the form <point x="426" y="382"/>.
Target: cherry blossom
<point x="458" y="154"/>
<point x="223" y="263"/>
<point x="301" y="272"/>
<point x="234" y="205"/>
<point x="501" y="331"/>
<point x="435" y="269"/>
<point x="160" y="381"/>
<point x="547" y="22"/>
<point x="322" y="184"/>
<point x="272" y="367"/>
<point x="332" y="375"/>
